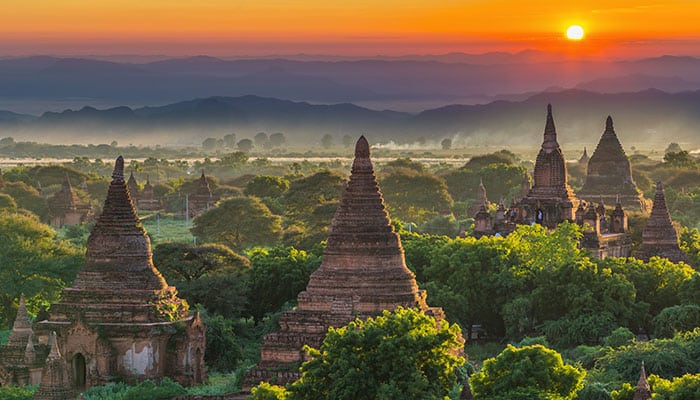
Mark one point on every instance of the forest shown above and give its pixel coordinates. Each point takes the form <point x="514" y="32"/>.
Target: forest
<point x="572" y="324"/>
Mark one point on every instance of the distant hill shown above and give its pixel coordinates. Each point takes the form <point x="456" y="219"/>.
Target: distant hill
<point x="647" y="116"/>
<point x="384" y="82"/>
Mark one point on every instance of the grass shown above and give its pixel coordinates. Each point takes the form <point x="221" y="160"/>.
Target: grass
<point x="172" y="228"/>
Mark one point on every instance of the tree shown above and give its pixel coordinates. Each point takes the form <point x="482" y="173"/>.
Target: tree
<point x="211" y="144"/>
<point x="530" y="372"/>
<point x="680" y="388"/>
<point x="34" y="262"/>
<point x="266" y="186"/>
<point x="185" y="262"/>
<point x="277" y="275"/>
<point x="327" y="141"/>
<point x="235" y="159"/>
<point x="230" y="140"/>
<point x="681" y="159"/>
<point x="245" y="145"/>
<point x="306" y="193"/>
<point x="27" y="197"/>
<point x="277" y="139"/>
<point x="446" y="144"/>
<point x="672" y="320"/>
<point x="673" y="147"/>
<point x="238" y="222"/>
<point x="415" y="197"/>
<point x="403" y="354"/>
<point x="260" y="139"/>
<point x="347" y="140"/>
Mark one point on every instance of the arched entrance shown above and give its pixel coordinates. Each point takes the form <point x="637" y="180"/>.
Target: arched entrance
<point x="79" y="371"/>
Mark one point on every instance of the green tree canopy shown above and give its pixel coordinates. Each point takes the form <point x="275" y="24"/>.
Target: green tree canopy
<point x="238" y="222"/>
<point x="403" y="354"/>
<point x="526" y="373"/>
<point x="415" y="197"/>
<point x="266" y="186"/>
<point x="34" y="262"/>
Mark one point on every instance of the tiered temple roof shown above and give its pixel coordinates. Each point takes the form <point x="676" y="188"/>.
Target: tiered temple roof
<point x="202" y="198"/>
<point x="610" y="173"/>
<point x="65" y="207"/>
<point x="659" y="237"/>
<point x="120" y="314"/>
<point x="363" y="273"/>
<point x="550" y="201"/>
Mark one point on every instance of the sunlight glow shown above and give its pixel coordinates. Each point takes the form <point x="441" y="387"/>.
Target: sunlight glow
<point x="574" y="32"/>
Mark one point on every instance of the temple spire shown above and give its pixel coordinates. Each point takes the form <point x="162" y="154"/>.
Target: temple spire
<point x="22" y="319"/>
<point x="550" y="133"/>
<point x="56" y="382"/>
<point x="643" y="391"/>
<point x="55" y="352"/>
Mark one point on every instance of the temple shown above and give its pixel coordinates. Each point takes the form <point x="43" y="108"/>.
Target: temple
<point x="363" y="273"/>
<point x="202" y="199"/>
<point x="66" y="208"/>
<point x="120" y="320"/>
<point x="659" y="237"/>
<point x="56" y="380"/>
<point x="21" y="357"/>
<point x="481" y="200"/>
<point x="550" y="200"/>
<point x="642" y="391"/>
<point x="584" y="157"/>
<point x="147" y="198"/>
<point x="610" y="173"/>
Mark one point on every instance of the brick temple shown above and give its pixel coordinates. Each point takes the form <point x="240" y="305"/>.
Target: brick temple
<point x="659" y="237"/>
<point x="609" y="177"/>
<point x="120" y="320"/>
<point x="363" y="273"/>
<point x="66" y="208"/>
<point x="202" y="199"/>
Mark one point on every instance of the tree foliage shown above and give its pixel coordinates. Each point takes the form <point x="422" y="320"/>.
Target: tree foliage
<point x="403" y="354"/>
<point x="530" y="372"/>
<point x="239" y="222"/>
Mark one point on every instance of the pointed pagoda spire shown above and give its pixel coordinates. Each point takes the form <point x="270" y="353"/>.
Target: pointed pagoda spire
<point x="584" y="156"/>
<point x="132" y="185"/>
<point x="550" y="133"/>
<point x="56" y="382"/>
<point x="362" y="232"/>
<point x="22" y="327"/>
<point x="659" y="237"/>
<point x="643" y="391"/>
<point x="118" y="255"/>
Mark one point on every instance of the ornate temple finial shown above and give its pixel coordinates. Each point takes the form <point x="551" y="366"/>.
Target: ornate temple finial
<point x="118" y="174"/>
<point x="643" y="391"/>
<point x="362" y="148"/>
<point x="550" y="132"/>
<point x="609" y="124"/>
<point x="55" y="353"/>
<point x="22" y="318"/>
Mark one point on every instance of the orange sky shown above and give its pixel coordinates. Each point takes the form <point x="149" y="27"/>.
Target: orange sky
<point x="359" y="27"/>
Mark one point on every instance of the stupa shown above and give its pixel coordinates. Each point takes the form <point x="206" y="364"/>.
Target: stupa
<point x="66" y="208"/>
<point x="202" y="199"/>
<point x="56" y="380"/>
<point x="610" y="173"/>
<point x="147" y="199"/>
<point x="120" y="319"/>
<point x="642" y="391"/>
<point x="659" y="237"/>
<point x="363" y="273"/>
<point x="550" y="201"/>
<point x="21" y="357"/>
<point x="481" y="200"/>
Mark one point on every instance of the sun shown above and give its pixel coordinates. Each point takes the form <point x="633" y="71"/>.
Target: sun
<point x="574" y="32"/>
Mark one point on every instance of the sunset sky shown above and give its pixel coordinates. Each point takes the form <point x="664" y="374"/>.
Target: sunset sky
<point x="614" y="28"/>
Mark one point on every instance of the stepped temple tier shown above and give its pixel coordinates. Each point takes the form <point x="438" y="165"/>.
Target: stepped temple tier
<point x="120" y="319"/>
<point x="550" y="200"/>
<point x="21" y="358"/>
<point x="610" y="173"/>
<point x="363" y="272"/>
<point x="659" y="237"/>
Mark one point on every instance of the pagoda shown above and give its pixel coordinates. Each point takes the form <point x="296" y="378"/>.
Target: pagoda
<point x="550" y="201"/>
<point x="363" y="273"/>
<point x="202" y="199"/>
<point x="120" y="319"/>
<point x="481" y="200"/>
<point x="659" y="237"/>
<point x="66" y="208"/>
<point x="56" y="380"/>
<point x="21" y="357"/>
<point x="610" y="173"/>
<point x="642" y="391"/>
<point x="147" y="199"/>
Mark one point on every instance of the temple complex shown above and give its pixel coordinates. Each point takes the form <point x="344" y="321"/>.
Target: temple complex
<point x="66" y="208"/>
<point x="363" y="273"/>
<point x="604" y="236"/>
<point x="147" y="199"/>
<point x="659" y="237"/>
<point x="120" y="320"/>
<point x="610" y="173"/>
<point x="550" y="200"/>
<point x="21" y="357"/>
<point x="202" y="199"/>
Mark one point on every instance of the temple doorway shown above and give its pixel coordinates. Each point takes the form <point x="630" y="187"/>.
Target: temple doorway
<point x="79" y="371"/>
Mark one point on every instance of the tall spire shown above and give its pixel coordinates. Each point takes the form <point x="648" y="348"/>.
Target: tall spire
<point x="22" y="327"/>
<point x="118" y="255"/>
<point x="643" y="391"/>
<point x="550" y="133"/>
